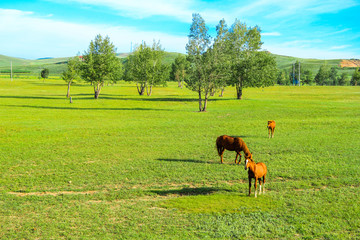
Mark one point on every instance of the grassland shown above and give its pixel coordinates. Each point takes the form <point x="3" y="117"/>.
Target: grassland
<point x="135" y="167"/>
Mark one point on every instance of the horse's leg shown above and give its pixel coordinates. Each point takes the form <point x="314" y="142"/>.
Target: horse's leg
<point x="236" y="157"/>
<point x="269" y="132"/>
<point x="238" y="154"/>
<point x="264" y="184"/>
<point x="272" y="133"/>
<point x="256" y="179"/>
<point x="222" y="150"/>
<point x="260" y="186"/>
<point x="249" y="186"/>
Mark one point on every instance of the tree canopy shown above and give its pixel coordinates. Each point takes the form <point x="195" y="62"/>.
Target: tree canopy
<point x="71" y="72"/>
<point x="145" y="67"/>
<point x="100" y="63"/>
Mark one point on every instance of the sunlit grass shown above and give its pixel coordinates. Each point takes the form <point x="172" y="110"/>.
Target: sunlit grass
<point x="129" y="166"/>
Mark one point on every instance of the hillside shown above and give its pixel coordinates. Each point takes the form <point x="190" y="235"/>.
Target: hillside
<point x="57" y="65"/>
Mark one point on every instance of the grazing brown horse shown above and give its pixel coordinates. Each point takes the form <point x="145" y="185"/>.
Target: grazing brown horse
<point x="257" y="171"/>
<point x="271" y="127"/>
<point x="232" y="144"/>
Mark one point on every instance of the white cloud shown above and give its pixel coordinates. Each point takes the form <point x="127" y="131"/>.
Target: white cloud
<point x="28" y="36"/>
<point x="271" y="34"/>
<point x="139" y="9"/>
<point x="340" y="47"/>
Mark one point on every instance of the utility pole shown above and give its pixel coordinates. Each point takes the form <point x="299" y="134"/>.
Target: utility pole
<point x="293" y="74"/>
<point x="299" y="74"/>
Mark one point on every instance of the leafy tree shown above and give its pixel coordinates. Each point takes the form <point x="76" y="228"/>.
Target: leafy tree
<point x="308" y="77"/>
<point x="355" y="79"/>
<point x="199" y="43"/>
<point x="178" y="70"/>
<point x="342" y="79"/>
<point x="333" y="76"/>
<point x="281" y="78"/>
<point x="71" y="72"/>
<point x="221" y="56"/>
<point x="100" y="63"/>
<point x="208" y="69"/>
<point x="249" y="66"/>
<point x="322" y="76"/>
<point x="44" y="73"/>
<point x="145" y="67"/>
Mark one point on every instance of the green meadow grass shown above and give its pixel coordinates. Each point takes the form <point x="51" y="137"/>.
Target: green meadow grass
<point x="127" y="166"/>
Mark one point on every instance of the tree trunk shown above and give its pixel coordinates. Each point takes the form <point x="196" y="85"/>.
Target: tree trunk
<point x="222" y="92"/>
<point x="96" y="96"/>
<point x="97" y="90"/>
<point x="200" y="100"/>
<point x="205" y="103"/>
<point x="141" y="89"/>
<point x="149" y="90"/>
<point x="179" y="84"/>
<point x="68" y="90"/>
<point x="239" y="90"/>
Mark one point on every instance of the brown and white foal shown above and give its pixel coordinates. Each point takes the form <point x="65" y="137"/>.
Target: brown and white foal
<point x="257" y="171"/>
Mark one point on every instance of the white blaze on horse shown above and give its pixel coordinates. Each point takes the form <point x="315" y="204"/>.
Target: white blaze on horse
<point x="256" y="171"/>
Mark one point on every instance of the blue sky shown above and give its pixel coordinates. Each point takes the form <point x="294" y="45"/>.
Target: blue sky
<point x="322" y="29"/>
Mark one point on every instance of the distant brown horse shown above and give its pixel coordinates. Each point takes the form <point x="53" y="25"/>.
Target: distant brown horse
<point x="271" y="127"/>
<point x="232" y="144"/>
<point x="256" y="171"/>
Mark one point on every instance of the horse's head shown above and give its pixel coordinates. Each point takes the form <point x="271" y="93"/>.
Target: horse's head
<point x="249" y="156"/>
<point x="248" y="160"/>
<point x="247" y="163"/>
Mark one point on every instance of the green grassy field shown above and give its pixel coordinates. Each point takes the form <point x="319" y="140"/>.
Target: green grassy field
<point x="135" y="167"/>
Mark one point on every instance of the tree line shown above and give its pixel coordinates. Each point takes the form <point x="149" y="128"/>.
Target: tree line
<point x="233" y="58"/>
<point x="326" y="76"/>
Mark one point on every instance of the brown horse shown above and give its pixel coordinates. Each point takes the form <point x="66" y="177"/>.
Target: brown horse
<point x="232" y="144"/>
<point x="257" y="171"/>
<point x="271" y="127"/>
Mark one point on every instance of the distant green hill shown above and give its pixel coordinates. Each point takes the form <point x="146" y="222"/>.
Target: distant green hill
<point x="285" y="62"/>
<point x="57" y="65"/>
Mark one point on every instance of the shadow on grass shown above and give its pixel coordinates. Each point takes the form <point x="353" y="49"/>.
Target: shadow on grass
<point x="179" y="99"/>
<point x="74" y="108"/>
<point x="187" y="191"/>
<point x="29" y="97"/>
<point x="185" y="160"/>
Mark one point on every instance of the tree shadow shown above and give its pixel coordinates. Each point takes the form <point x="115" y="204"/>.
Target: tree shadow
<point x="177" y="99"/>
<point x="74" y="108"/>
<point x="187" y="191"/>
<point x="185" y="160"/>
<point x="29" y="97"/>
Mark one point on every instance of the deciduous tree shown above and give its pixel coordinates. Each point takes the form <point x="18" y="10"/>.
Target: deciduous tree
<point x="249" y="66"/>
<point x="342" y="79"/>
<point x="178" y="70"/>
<point x="145" y="67"/>
<point x="71" y="72"/>
<point x="355" y="79"/>
<point x="208" y="69"/>
<point x="322" y="76"/>
<point x="100" y="63"/>
<point x="44" y="73"/>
